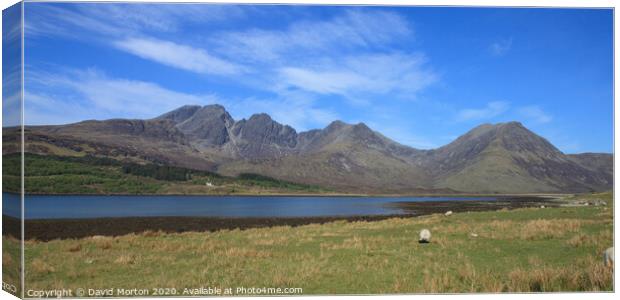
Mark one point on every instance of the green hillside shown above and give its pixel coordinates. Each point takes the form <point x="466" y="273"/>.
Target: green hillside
<point x="50" y="174"/>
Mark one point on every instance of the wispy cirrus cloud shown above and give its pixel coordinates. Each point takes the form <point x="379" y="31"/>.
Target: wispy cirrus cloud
<point x="74" y="95"/>
<point x="290" y="71"/>
<point x="354" y="29"/>
<point x="11" y="69"/>
<point x="178" y="56"/>
<point x="535" y="114"/>
<point x="166" y="17"/>
<point x="79" y="20"/>
<point x="11" y="108"/>
<point x="11" y="27"/>
<point x="491" y="110"/>
<point x="357" y="76"/>
<point x="127" y="27"/>
<point x="403" y="136"/>
<point x="294" y="108"/>
<point x="500" y="47"/>
<point x="348" y="54"/>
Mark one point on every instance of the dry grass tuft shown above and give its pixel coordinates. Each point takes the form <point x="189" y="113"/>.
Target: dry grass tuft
<point x="7" y="260"/>
<point x="125" y="260"/>
<point x="524" y="250"/>
<point x="578" y="240"/>
<point x="591" y="276"/>
<point x="438" y="283"/>
<point x="354" y="242"/>
<point x="40" y="267"/>
<point x="548" y="229"/>
<point x="106" y="245"/>
<point x="151" y="233"/>
<point x="243" y="252"/>
<point x="270" y="240"/>
<point x="75" y="247"/>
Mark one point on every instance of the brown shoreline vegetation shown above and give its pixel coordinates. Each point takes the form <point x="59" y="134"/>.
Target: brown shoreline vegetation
<point x="50" y="229"/>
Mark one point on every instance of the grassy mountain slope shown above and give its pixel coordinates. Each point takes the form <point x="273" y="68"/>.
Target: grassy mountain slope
<point x="52" y="174"/>
<point x="509" y="158"/>
<point x="343" y="156"/>
<point x="501" y="158"/>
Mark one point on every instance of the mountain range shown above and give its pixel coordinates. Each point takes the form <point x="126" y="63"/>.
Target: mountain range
<point x="490" y="158"/>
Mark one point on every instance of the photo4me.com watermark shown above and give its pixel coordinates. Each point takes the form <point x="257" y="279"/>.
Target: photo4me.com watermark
<point x="143" y="292"/>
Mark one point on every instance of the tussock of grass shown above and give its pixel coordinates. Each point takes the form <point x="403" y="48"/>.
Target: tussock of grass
<point x="39" y="266"/>
<point x="125" y="260"/>
<point x="11" y="263"/>
<point x="75" y="247"/>
<point x="524" y="250"/>
<point x="592" y="275"/>
<point x="7" y="260"/>
<point x="548" y="229"/>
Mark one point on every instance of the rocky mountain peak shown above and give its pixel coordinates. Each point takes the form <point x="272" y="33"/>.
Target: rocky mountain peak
<point x="261" y="129"/>
<point x="180" y="114"/>
<point x="503" y="157"/>
<point x="213" y="110"/>
<point x="501" y="132"/>
<point x="209" y="125"/>
<point x="517" y="138"/>
<point x="261" y="117"/>
<point x="362" y="128"/>
<point x="336" y="125"/>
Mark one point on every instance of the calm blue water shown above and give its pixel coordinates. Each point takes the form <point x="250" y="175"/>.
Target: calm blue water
<point x="51" y="207"/>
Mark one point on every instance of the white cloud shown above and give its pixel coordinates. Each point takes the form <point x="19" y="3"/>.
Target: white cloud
<point x="11" y="109"/>
<point x="88" y="20"/>
<point x="163" y="16"/>
<point x="11" y="93"/>
<point x="356" y="76"/>
<point x="178" y="56"/>
<point x="535" y="114"/>
<point x="126" y="27"/>
<point x="13" y="32"/>
<point x="53" y="20"/>
<point x="501" y="47"/>
<point x="324" y="56"/>
<point x="323" y="82"/>
<point x="403" y="136"/>
<point x="296" y="109"/>
<point x="78" y="95"/>
<point x="350" y="55"/>
<point x="491" y="110"/>
<point x="353" y="29"/>
<point x="43" y="109"/>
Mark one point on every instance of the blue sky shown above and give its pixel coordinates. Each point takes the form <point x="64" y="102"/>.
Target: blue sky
<point x="421" y="76"/>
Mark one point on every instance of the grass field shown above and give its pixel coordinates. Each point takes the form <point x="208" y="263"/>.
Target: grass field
<point x="523" y="250"/>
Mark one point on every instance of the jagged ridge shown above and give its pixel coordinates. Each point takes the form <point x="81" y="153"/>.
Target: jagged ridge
<point x="505" y="157"/>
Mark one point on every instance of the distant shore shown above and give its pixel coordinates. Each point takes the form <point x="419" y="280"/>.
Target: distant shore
<point x="50" y="229"/>
<point x="397" y="195"/>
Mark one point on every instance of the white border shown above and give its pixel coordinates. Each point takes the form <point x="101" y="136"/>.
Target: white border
<point x="492" y="3"/>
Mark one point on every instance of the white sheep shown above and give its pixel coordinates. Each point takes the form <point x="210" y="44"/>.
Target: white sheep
<point x="608" y="257"/>
<point x="425" y="236"/>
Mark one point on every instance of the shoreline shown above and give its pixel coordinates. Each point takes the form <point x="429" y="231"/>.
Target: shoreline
<point x="51" y="229"/>
<point x="463" y="195"/>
